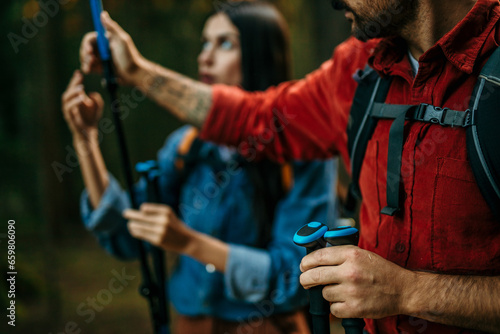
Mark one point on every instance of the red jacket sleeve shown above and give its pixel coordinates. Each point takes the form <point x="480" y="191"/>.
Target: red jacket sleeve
<point x="300" y="120"/>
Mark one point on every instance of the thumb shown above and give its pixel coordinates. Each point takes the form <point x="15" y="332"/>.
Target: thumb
<point x="154" y="208"/>
<point x="97" y="98"/>
<point x="110" y="25"/>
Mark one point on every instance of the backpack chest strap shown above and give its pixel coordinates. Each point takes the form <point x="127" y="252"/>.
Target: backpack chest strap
<point x="423" y="113"/>
<point x="401" y="113"/>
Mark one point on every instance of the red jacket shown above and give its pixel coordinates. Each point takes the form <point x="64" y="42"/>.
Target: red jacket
<point x="445" y="226"/>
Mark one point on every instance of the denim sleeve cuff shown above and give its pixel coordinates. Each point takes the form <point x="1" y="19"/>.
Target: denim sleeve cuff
<point x="247" y="275"/>
<point x="107" y="217"/>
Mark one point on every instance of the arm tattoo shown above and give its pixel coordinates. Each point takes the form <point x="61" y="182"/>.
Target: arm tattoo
<point x="188" y="99"/>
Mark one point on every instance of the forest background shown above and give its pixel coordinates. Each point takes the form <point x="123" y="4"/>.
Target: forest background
<point x="63" y="276"/>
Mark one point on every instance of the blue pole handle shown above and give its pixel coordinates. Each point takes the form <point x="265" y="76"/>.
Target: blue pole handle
<point x="342" y="235"/>
<point x="310" y="236"/>
<point x="102" y="41"/>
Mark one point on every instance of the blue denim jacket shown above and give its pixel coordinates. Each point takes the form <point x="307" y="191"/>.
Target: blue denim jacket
<point x="257" y="282"/>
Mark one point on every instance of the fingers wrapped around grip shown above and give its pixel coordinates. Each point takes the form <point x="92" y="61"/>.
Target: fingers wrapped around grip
<point x="359" y="283"/>
<point x="159" y="225"/>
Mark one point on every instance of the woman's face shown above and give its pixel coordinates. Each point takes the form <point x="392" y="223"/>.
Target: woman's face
<point x="220" y="57"/>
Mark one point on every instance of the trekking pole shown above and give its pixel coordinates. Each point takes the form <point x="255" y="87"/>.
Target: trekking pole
<point x="148" y="288"/>
<point x="149" y="170"/>
<point x="310" y="236"/>
<point x="346" y="235"/>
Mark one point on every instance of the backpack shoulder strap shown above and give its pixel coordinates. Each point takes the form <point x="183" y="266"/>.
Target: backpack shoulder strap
<point x="482" y="136"/>
<point x="371" y="89"/>
<point x="185" y="148"/>
<point x="482" y="129"/>
<point x="287" y="177"/>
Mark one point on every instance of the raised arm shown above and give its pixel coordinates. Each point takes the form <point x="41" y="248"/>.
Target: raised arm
<point x="187" y="99"/>
<point x="301" y="120"/>
<point x="82" y="113"/>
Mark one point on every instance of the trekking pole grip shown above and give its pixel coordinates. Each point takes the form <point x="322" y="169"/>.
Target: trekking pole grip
<point x="346" y="235"/>
<point x="310" y="236"/>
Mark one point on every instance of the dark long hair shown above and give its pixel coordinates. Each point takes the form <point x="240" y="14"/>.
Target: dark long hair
<point x="265" y="62"/>
<point x="264" y="38"/>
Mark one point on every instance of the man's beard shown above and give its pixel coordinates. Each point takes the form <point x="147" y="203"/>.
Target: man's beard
<point x="380" y="22"/>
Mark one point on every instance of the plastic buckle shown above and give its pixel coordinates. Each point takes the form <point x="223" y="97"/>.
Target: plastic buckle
<point x="468" y="118"/>
<point x="436" y="115"/>
<point x="429" y="113"/>
<point x="443" y="115"/>
<point x="420" y="111"/>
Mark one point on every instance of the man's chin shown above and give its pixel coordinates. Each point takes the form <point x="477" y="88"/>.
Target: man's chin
<point x="360" y="36"/>
<point x="359" y="33"/>
<point x="364" y="35"/>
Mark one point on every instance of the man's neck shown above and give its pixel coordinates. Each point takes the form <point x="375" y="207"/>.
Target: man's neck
<point x="433" y="20"/>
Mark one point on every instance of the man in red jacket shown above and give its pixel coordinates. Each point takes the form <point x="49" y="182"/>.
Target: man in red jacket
<point x="435" y="265"/>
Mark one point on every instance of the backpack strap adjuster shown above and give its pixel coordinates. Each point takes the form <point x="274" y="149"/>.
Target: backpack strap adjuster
<point x="469" y="120"/>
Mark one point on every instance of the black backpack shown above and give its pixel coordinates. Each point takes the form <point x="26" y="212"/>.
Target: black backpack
<point x="483" y="144"/>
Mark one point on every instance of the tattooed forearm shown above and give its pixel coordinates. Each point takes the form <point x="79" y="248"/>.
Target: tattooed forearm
<point x="187" y="99"/>
<point x="161" y="85"/>
<point x="203" y="99"/>
<point x="156" y="83"/>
